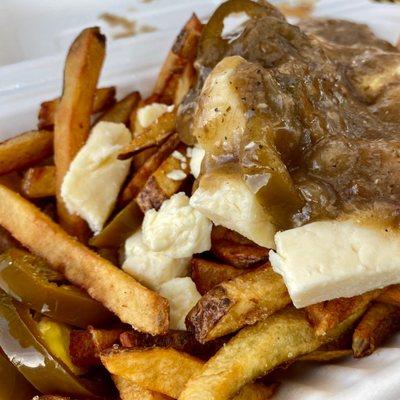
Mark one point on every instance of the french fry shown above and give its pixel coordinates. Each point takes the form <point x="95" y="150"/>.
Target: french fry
<point x="376" y="325"/>
<point x="13" y="180"/>
<point x="131" y="391"/>
<point x="328" y="314"/>
<point x="185" y="83"/>
<point x="183" y="52"/>
<point x="152" y="136"/>
<point x="166" y="371"/>
<point x="178" y="340"/>
<point x="129" y="300"/>
<point x="85" y="346"/>
<point x="120" y="111"/>
<point x="24" y="150"/>
<point x="140" y="178"/>
<point x="206" y="274"/>
<point x="241" y="301"/>
<point x="162" y="184"/>
<point x="72" y="118"/>
<point x="390" y="295"/>
<point x="39" y="182"/>
<point x="257" y="350"/>
<point x="103" y="98"/>
<point x="220" y="233"/>
<point x="326" y="355"/>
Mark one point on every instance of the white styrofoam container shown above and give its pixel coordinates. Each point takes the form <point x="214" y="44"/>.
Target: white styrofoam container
<point x="33" y="28"/>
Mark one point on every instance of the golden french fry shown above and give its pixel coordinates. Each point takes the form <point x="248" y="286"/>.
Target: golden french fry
<point x="39" y="182"/>
<point x="120" y="111"/>
<point x="377" y="324"/>
<point x="186" y="81"/>
<point x="131" y="391"/>
<point x="390" y="295"/>
<point x="328" y="314"/>
<point x="257" y="350"/>
<point x="326" y="355"/>
<point x="24" y="150"/>
<point x="134" y="304"/>
<point x="164" y="182"/>
<point x="206" y="274"/>
<point x="241" y="301"/>
<point x="73" y="115"/>
<point x="103" y="98"/>
<point x="141" y="176"/>
<point x="166" y="371"/>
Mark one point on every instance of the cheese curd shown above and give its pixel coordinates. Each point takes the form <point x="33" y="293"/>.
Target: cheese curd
<point x="92" y="183"/>
<point x="151" y="268"/>
<point x="197" y="155"/>
<point x="148" y="114"/>
<point x="177" y="229"/>
<point x="228" y="201"/>
<point x="330" y="259"/>
<point x="182" y="295"/>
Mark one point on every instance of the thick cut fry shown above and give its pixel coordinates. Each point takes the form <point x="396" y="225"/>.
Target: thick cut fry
<point x="129" y="300"/>
<point x="24" y="150"/>
<point x="206" y="274"/>
<point x="185" y="83"/>
<point x="103" y="98"/>
<point x="390" y="295"/>
<point x="377" y="324"/>
<point x="140" y="178"/>
<point x="72" y="118"/>
<point x="153" y="136"/>
<point x="120" y="111"/>
<point x="241" y="301"/>
<point x="257" y="350"/>
<point x="166" y="371"/>
<point x="326" y="355"/>
<point x="165" y="182"/>
<point x="39" y="182"/>
<point x="328" y="314"/>
<point x="178" y="340"/>
<point x="85" y="346"/>
<point x="131" y="391"/>
<point x="220" y="233"/>
<point x="183" y="52"/>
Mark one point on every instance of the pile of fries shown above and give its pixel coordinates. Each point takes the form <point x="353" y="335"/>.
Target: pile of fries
<point x="244" y="326"/>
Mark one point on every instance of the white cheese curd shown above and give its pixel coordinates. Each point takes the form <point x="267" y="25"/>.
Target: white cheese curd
<point x="92" y="183"/>
<point x="149" y="114"/>
<point x="177" y="229"/>
<point x="227" y="200"/>
<point x="182" y="295"/>
<point x="197" y="155"/>
<point x="176" y="175"/>
<point x="330" y="259"/>
<point x="151" y="268"/>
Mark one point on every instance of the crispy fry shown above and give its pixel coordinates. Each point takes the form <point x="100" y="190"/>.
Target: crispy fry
<point x="166" y="371"/>
<point x="257" y="350"/>
<point x="103" y="98"/>
<point x="39" y="182"/>
<point x="326" y="355"/>
<point x="133" y="303"/>
<point x="220" y="233"/>
<point x="178" y="340"/>
<point x="25" y="150"/>
<point x="206" y="274"/>
<point x="72" y="118"/>
<point x="328" y="314"/>
<point x="377" y="324"/>
<point x="148" y="168"/>
<point x="13" y="181"/>
<point x="120" y="111"/>
<point x="152" y="136"/>
<point x="241" y="301"/>
<point x="162" y="184"/>
<point x="390" y="295"/>
<point x="185" y="83"/>
<point x="123" y="225"/>
<point x="131" y="391"/>
<point x="183" y="52"/>
<point x="85" y="346"/>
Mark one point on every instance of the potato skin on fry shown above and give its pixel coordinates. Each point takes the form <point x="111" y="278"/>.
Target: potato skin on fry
<point x="24" y="150"/>
<point x="325" y="355"/>
<point x="72" y="119"/>
<point x="119" y="292"/>
<point x="376" y="325"/>
<point x="241" y="301"/>
<point x="390" y="295"/>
